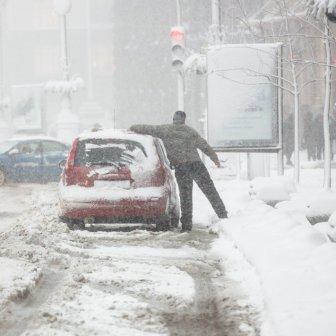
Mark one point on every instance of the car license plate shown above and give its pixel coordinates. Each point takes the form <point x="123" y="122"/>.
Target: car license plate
<point x="124" y="184"/>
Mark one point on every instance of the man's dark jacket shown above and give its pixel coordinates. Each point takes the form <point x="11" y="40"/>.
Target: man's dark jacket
<point x="180" y="140"/>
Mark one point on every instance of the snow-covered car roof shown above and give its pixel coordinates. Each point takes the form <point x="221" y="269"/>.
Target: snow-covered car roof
<point x="33" y="137"/>
<point x="117" y="134"/>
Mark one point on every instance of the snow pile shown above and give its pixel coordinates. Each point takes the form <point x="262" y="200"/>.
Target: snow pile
<point x="332" y="220"/>
<point x="17" y="279"/>
<point x="271" y="189"/>
<point x="326" y="229"/>
<point x="296" y="265"/>
<point x="318" y="206"/>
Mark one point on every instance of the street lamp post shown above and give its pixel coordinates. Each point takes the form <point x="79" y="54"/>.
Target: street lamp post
<point x="180" y="75"/>
<point x="67" y="122"/>
<point x="5" y="129"/>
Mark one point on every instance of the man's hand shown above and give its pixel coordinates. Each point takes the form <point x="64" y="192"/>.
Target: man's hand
<point x="217" y="163"/>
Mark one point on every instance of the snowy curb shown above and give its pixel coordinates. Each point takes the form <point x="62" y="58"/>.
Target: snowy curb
<point x="295" y="264"/>
<point x="240" y="271"/>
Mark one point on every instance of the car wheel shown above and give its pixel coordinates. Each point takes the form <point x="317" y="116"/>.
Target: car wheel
<point x="76" y="226"/>
<point x="163" y="223"/>
<point x="2" y="177"/>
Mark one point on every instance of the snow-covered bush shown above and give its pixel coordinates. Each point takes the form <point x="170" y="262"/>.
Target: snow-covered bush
<point x="317" y="207"/>
<point x="332" y="219"/>
<point x="271" y="189"/>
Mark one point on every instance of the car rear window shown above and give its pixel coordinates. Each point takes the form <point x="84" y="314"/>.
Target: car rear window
<point x="110" y="152"/>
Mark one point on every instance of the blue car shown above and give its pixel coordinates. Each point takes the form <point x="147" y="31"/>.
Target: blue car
<point x="31" y="160"/>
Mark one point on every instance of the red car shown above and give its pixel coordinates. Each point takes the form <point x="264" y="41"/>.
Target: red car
<point x="116" y="177"/>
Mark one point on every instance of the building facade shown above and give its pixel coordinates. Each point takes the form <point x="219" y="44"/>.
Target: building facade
<point x="31" y="58"/>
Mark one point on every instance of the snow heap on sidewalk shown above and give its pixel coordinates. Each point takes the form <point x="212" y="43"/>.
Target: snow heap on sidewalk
<point x="272" y="189"/>
<point x="332" y="220"/>
<point x="317" y="206"/>
<point x="296" y="265"/>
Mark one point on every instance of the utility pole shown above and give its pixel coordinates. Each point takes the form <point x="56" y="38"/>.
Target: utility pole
<point x="89" y="49"/>
<point x="326" y="121"/>
<point x="180" y="74"/>
<point x="5" y="129"/>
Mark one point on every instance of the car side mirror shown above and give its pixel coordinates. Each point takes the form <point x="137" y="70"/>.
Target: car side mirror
<point x="13" y="151"/>
<point x="62" y="164"/>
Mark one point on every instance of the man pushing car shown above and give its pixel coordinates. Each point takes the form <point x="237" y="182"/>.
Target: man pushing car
<point x="182" y="142"/>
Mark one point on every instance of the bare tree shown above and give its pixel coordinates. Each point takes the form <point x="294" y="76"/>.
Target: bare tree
<point x="280" y="22"/>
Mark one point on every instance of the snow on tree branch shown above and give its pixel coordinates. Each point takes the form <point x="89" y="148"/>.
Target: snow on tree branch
<point x="318" y="7"/>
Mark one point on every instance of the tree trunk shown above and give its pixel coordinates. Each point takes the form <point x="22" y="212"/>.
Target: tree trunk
<point x="296" y="136"/>
<point x="326" y="124"/>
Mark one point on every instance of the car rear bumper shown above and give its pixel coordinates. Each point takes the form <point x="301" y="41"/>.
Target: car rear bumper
<point x="138" y="204"/>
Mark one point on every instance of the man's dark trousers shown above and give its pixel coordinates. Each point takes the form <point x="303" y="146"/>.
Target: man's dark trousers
<point x="185" y="175"/>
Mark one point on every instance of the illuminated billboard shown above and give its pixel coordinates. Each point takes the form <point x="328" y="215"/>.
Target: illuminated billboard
<point x="243" y="96"/>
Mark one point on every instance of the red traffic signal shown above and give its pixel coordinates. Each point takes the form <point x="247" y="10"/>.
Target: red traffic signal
<point x="177" y="35"/>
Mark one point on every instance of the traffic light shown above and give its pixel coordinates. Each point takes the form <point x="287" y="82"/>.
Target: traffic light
<point x="177" y="36"/>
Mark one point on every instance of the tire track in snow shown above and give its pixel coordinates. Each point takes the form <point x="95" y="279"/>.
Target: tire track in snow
<point x="19" y="316"/>
<point x="86" y="252"/>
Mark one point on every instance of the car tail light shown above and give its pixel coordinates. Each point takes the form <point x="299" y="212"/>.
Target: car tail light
<point x="159" y="177"/>
<point x="69" y="167"/>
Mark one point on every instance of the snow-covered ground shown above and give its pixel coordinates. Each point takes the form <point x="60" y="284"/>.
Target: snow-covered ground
<point x="292" y="277"/>
<point x="264" y="271"/>
<point x="103" y="282"/>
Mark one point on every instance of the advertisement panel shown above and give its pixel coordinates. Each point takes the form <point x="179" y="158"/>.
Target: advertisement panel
<point x="243" y="94"/>
<point x="26" y="106"/>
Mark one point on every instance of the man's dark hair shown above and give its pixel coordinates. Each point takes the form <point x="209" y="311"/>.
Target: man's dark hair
<point x="179" y="117"/>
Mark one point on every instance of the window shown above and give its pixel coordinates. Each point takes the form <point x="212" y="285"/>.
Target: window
<point x="162" y="152"/>
<point x="52" y="146"/>
<point x="29" y="148"/>
<point x="117" y="153"/>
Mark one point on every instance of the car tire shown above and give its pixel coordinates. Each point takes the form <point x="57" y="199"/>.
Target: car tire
<point x="2" y="177"/>
<point x="76" y="226"/>
<point x="163" y="223"/>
